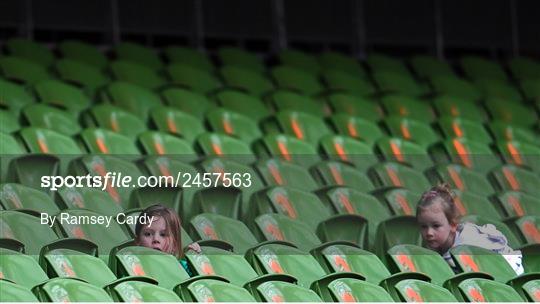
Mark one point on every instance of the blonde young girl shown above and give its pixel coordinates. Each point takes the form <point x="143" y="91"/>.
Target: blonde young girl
<point x="438" y="218"/>
<point x="163" y="233"/>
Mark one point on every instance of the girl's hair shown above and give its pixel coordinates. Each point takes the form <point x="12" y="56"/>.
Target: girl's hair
<point x="172" y="222"/>
<point x="442" y="194"/>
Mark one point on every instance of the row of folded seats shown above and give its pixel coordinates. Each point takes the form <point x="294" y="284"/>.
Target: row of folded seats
<point x="37" y="264"/>
<point x="507" y="193"/>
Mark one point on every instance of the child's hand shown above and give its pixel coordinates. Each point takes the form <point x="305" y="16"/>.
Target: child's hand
<point x="195" y="247"/>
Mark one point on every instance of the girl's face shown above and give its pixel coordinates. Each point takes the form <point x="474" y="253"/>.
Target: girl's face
<point x="437" y="232"/>
<point x="156" y="236"/>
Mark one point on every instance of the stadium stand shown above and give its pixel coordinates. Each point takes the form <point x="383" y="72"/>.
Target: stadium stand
<point x="337" y="150"/>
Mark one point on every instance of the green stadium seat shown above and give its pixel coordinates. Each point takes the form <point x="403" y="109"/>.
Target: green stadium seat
<point x="186" y="101"/>
<point x="68" y="263"/>
<point x="342" y="200"/>
<point x="16" y="293"/>
<point x="494" y="88"/>
<point x="296" y="204"/>
<point x="47" y="141"/>
<point x="243" y="103"/>
<point x="399" y="201"/>
<point x="484" y="290"/>
<point x="395" y="149"/>
<point x="142" y="261"/>
<point x="87" y="198"/>
<point x="209" y="226"/>
<point x="279" y="227"/>
<point x="347" y="228"/>
<point x="453" y="86"/>
<point x="14" y="97"/>
<point x="530" y="290"/>
<point x="521" y="154"/>
<point x="476" y="67"/>
<point x="139" y="54"/>
<point x="100" y="165"/>
<point x="297" y="80"/>
<point x="330" y="60"/>
<point x="132" y="98"/>
<point x="10" y="123"/>
<point x="299" y="60"/>
<point x="390" y="82"/>
<point x="458" y="107"/>
<point x="471" y="258"/>
<point x="509" y="112"/>
<point x="20" y="269"/>
<point x="171" y="120"/>
<point x="86" y="76"/>
<point x="83" y="52"/>
<point x="457" y="127"/>
<point x="48" y="117"/>
<point x="115" y="119"/>
<point x="197" y="80"/>
<point x="524" y="68"/>
<point x="335" y="173"/>
<point x="363" y="108"/>
<point x="136" y="291"/>
<point x="344" y="257"/>
<point x="214" y="144"/>
<point x="350" y="290"/>
<point x="62" y="95"/>
<point x="282" y="100"/>
<point x="466" y="152"/>
<point x="382" y="62"/>
<point x="97" y="140"/>
<point x="220" y="262"/>
<point x="27" y="229"/>
<point x="276" y="172"/>
<point x="16" y="196"/>
<point x="267" y="290"/>
<point x="230" y="201"/>
<point x="510" y="177"/>
<point x="409" y="107"/>
<point x="528" y="229"/>
<point x="225" y="121"/>
<point x="9" y="149"/>
<point x="412" y="258"/>
<point x="136" y="73"/>
<point x="212" y="289"/>
<point x="180" y="198"/>
<point x="531" y="89"/>
<point x="356" y="127"/>
<point x="301" y="125"/>
<point x="280" y="258"/>
<point x="461" y="178"/>
<point x="517" y="204"/>
<point x="384" y="175"/>
<point x="105" y="236"/>
<point x="287" y="148"/>
<point x="159" y="143"/>
<point x="413" y="130"/>
<point x="414" y="290"/>
<point x="246" y="80"/>
<point x="394" y="231"/>
<point x="188" y="56"/>
<point x="341" y="81"/>
<point x="70" y="290"/>
<point x="239" y="57"/>
<point x="30" y="50"/>
<point x="427" y="67"/>
<point x="502" y="131"/>
<point x="348" y="150"/>
<point x="22" y="70"/>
